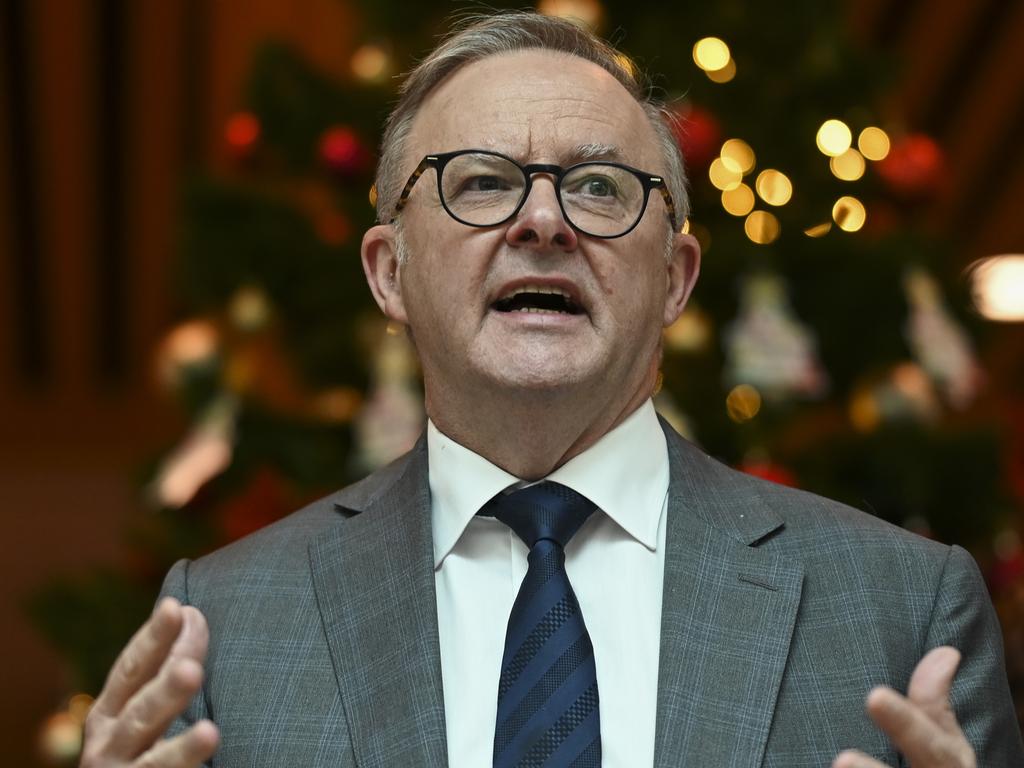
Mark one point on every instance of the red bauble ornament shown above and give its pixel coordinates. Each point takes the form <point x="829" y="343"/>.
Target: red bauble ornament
<point x="914" y="167"/>
<point x="343" y="152"/>
<point x="699" y="135"/>
<point x="242" y="134"/>
<point x="766" y="470"/>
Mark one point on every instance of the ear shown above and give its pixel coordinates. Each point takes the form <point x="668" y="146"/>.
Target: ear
<point x="383" y="272"/>
<point x="683" y="268"/>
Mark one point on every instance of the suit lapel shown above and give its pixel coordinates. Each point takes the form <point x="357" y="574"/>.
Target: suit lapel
<point x="374" y="580"/>
<point x="727" y="618"/>
<point x="728" y="614"/>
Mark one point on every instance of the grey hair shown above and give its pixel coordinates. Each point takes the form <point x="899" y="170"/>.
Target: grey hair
<point x="479" y="36"/>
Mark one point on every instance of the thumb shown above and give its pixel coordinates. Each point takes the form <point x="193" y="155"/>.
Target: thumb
<point x="930" y="685"/>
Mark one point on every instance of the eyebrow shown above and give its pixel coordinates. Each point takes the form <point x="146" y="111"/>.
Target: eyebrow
<point x="596" y="152"/>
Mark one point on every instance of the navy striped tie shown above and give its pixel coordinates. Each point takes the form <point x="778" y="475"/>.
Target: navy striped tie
<point x="547" y="693"/>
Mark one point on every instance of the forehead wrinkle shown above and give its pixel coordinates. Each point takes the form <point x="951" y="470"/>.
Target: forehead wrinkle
<point x="534" y="112"/>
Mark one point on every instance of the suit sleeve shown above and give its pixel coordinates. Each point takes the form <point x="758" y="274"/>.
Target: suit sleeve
<point x="963" y="617"/>
<point x="176" y="586"/>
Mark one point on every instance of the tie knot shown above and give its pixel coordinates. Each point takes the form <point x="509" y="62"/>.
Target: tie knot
<point x="545" y="510"/>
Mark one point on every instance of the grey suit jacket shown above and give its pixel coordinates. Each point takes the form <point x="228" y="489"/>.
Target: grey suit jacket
<point x="781" y="611"/>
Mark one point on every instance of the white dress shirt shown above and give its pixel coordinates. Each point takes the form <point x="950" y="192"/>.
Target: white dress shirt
<point x="615" y="563"/>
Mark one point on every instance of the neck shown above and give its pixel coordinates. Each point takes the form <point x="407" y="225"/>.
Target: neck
<point x="530" y="434"/>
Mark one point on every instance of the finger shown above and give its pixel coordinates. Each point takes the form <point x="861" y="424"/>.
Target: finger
<point x="194" y="637"/>
<point x="930" y="685"/>
<point x="141" y="658"/>
<point x="852" y="758"/>
<point x="148" y="714"/>
<point x="186" y="750"/>
<point x="914" y="733"/>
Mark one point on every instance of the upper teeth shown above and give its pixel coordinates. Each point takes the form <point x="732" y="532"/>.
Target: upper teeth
<point x="536" y="289"/>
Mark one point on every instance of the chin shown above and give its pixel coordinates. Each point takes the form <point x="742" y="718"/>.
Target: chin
<point x="537" y="376"/>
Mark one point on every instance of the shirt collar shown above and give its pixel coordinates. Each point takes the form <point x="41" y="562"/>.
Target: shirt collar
<point x="625" y="474"/>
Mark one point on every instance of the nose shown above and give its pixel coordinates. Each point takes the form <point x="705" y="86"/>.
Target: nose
<point x="540" y="223"/>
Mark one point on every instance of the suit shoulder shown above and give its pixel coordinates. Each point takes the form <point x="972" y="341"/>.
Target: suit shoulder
<point x="809" y="521"/>
<point x="283" y="542"/>
<point x="813" y="518"/>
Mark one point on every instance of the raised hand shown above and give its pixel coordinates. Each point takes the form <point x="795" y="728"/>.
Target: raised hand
<point x="921" y="724"/>
<point x="151" y="683"/>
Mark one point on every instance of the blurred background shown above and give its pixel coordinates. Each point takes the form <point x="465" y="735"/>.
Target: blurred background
<point x="188" y="351"/>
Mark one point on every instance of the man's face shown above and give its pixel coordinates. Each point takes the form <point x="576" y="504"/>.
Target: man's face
<point x="536" y="107"/>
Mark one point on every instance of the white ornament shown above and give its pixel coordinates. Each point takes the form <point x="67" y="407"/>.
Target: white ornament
<point x="938" y="342"/>
<point x="768" y="348"/>
<point x="392" y="418"/>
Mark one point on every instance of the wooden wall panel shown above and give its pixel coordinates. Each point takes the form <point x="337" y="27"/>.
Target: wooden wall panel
<point x="1001" y="227"/>
<point x="926" y="66"/>
<point x="63" y="120"/>
<point x="71" y="442"/>
<point x="981" y="117"/>
<point x="155" y="91"/>
<point x="9" y="317"/>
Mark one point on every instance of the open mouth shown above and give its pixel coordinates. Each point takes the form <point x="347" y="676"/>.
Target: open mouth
<point x="539" y="299"/>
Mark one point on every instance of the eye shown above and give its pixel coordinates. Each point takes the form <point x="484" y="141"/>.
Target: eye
<point x="595" y="185"/>
<point x="484" y="184"/>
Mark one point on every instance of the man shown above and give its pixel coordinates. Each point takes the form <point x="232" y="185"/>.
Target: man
<point x="694" y="615"/>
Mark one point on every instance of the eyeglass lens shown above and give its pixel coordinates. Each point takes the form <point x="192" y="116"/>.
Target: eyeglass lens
<point x="484" y="190"/>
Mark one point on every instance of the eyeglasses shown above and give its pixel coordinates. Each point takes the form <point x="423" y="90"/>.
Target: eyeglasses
<point x="484" y="189"/>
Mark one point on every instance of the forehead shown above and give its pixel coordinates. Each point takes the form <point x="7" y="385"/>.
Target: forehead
<point x="533" y="105"/>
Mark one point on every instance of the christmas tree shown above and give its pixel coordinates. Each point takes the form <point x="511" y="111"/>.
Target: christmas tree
<point x="826" y="346"/>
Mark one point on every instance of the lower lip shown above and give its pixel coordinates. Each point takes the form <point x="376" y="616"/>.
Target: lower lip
<point x="549" y="320"/>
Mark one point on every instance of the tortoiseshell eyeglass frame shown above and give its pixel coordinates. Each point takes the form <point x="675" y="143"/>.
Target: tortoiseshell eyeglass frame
<point x="649" y="181"/>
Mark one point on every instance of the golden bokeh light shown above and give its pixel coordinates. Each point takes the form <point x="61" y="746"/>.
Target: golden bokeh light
<point x="743" y="403"/>
<point x="249" y="308"/>
<point x="865" y="415"/>
<point x="848" y="166"/>
<point x="723" y="75"/>
<point x="191" y="342"/>
<point x="337" y="405"/>
<point x="873" y="143"/>
<point x="589" y="12"/>
<point x="711" y="54"/>
<point x="762" y="227"/>
<point x="742" y="153"/>
<point x="371" y="63"/>
<point x="79" y="706"/>
<point x="60" y="739"/>
<point x="691" y="332"/>
<point x="373" y="195"/>
<point x="997" y="287"/>
<point x="849" y="213"/>
<point x="725" y="173"/>
<point x="738" y="201"/>
<point x="774" y="187"/>
<point x="819" y="230"/>
<point x="834" y="137"/>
